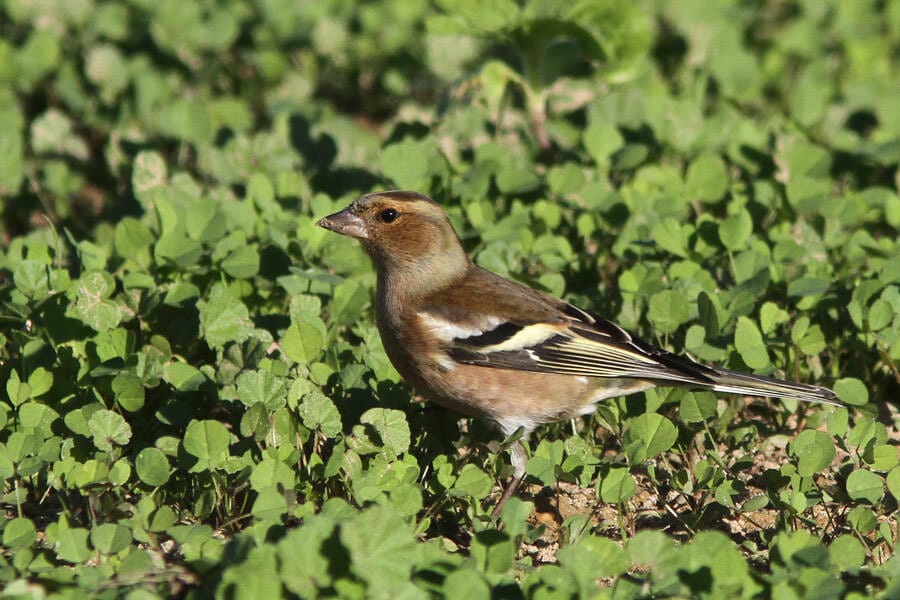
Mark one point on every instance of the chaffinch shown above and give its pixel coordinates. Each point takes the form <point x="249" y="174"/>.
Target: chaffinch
<point x="488" y="347"/>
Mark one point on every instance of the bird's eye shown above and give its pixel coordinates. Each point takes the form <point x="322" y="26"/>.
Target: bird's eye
<point x="388" y="215"/>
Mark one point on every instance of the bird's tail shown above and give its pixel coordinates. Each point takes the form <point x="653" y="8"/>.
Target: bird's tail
<point x="757" y="385"/>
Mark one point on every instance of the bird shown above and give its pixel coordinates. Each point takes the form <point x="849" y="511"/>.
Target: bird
<point x="492" y="348"/>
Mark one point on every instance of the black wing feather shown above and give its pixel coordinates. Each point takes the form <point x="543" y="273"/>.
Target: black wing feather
<point x="591" y="346"/>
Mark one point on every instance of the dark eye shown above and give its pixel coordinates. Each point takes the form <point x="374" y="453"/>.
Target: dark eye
<point x="388" y="215"/>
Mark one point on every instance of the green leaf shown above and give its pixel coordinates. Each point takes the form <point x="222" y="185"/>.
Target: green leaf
<point x="317" y="411"/>
<point x="303" y="342"/>
<point x="184" y="377"/>
<point x="149" y="174"/>
<point x="129" y="391"/>
<point x="717" y="551"/>
<point x="303" y="577"/>
<point x="893" y="482"/>
<point x="668" y="310"/>
<point x="838" y="422"/>
<point x="349" y="300"/>
<point x="808" y="194"/>
<point x="881" y="314"/>
<point x="707" y="180"/>
<point x="812" y="91"/>
<point x="12" y="165"/>
<point x="201" y="221"/>
<point x="7" y="468"/>
<point x="223" y="318"/>
<point x="492" y="551"/>
<point x="476" y="16"/>
<point x="177" y="249"/>
<point x="107" y="68"/>
<point x="649" y="548"/>
<point x="116" y="343"/>
<point x="755" y="503"/>
<point x="862" y="519"/>
<point x="271" y="473"/>
<point x="31" y="278"/>
<point x="152" y="467"/>
<point x="566" y="179"/>
<point x="648" y="435"/>
<point x="110" y="538"/>
<point x="882" y="457"/>
<point x="17" y="391"/>
<point x="542" y="468"/>
<point x="846" y="552"/>
<point x="617" y="486"/>
<point x="19" y="445"/>
<point x="697" y="406"/>
<point x="19" y="533"/>
<point x="109" y="428"/>
<point x="40" y="53"/>
<point x="465" y="584"/>
<point x="185" y="119"/>
<point x="162" y="519"/>
<point x="92" y="304"/>
<point x="270" y="505"/>
<point x="516" y="180"/>
<point x="89" y="473"/>
<point x="727" y="490"/>
<point x="472" y="482"/>
<point x="709" y="311"/>
<point x="406" y="498"/>
<point x="770" y="316"/>
<point x="391" y="426"/>
<point x="672" y="236"/>
<point x="255" y="422"/>
<point x="71" y="545"/>
<point x="120" y="472"/>
<point x="180" y="292"/>
<point x="852" y="391"/>
<point x="749" y="343"/>
<point x="814" y="451"/>
<point x="52" y="133"/>
<point x="407" y="163"/>
<point x="593" y="557"/>
<point x="262" y="386"/>
<point x="734" y="231"/>
<point x="381" y="547"/>
<point x="803" y="157"/>
<point x="515" y="516"/>
<point x="808" y="286"/>
<point x="133" y="240"/>
<point x="243" y="262"/>
<point x="865" y="485"/>
<point x="495" y="77"/>
<point x="602" y="139"/>
<point x="37" y="418"/>
<point x="207" y="441"/>
<point x="261" y="191"/>
<point x="630" y="156"/>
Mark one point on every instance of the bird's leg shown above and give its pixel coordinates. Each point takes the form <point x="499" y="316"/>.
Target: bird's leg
<point x="518" y="457"/>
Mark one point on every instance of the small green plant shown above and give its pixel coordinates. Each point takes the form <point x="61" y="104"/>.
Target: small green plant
<point x="194" y="400"/>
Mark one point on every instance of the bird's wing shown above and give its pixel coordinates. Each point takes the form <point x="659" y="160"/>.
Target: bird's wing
<point x="523" y="329"/>
<point x="578" y="343"/>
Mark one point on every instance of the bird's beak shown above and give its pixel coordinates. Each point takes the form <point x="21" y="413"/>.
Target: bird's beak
<point x="345" y="223"/>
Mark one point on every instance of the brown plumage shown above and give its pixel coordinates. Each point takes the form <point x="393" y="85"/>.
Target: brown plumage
<point x="489" y="347"/>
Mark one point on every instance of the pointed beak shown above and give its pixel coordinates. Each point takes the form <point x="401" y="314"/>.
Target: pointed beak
<point x="345" y="223"/>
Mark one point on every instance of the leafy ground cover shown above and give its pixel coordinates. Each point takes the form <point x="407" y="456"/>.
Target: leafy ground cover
<point x="196" y="401"/>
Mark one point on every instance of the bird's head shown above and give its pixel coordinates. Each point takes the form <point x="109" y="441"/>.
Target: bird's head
<point x="408" y="235"/>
